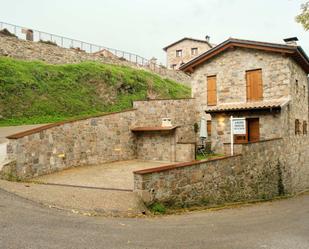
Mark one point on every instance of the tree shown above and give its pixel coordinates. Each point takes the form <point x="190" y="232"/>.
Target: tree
<point x="303" y="17"/>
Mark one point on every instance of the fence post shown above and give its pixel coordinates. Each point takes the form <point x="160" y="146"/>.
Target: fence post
<point x="134" y="58"/>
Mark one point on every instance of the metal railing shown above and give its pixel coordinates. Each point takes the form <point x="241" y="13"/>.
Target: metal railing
<point x="66" y="42"/>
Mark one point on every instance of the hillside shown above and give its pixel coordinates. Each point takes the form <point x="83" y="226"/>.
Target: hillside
<point x="35" y="92"/>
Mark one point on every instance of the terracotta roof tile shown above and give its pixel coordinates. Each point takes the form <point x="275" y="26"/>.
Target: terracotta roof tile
<point x="255" y="105"/>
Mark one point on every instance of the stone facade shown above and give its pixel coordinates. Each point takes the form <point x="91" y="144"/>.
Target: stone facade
<point x="157" y="146"/>
<point x="186" y="46"/>
<point x="185" y="152"/>
<point x="282" y="78"/>
<point x="101" y="139"/>
<point x="263" y="171"/>
<point x="182" y="112"/>
<point x="28" y="50"/>
<point x="178" y="146"/>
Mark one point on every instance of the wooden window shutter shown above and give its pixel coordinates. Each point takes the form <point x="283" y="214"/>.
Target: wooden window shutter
<point x="305" y="127"/>
<point x="297" y="127"/>
<point x="254" y="85"/>
<point x="211" y="90"/>
<point x="209" y="128"/>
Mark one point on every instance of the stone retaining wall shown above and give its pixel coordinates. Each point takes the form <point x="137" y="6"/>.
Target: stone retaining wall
<point x="263" y="171"/>
<point x="100" y="139"/>
<point x="84" y="142"/>
<point x="28" y="50"/>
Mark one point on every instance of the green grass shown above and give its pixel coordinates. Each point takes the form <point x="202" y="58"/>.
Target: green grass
<point x="157" y="208"/>
<point x="35" y="92"/>
<point x="207" y="156"/>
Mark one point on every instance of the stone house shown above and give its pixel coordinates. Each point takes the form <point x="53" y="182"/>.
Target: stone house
<point x="182" y="51"/>
<point x="266" y="83"/>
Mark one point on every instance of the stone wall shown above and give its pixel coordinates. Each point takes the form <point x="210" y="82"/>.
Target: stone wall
<point x="272" y="125"/>
<point x="182" y="112"/>
<point x="263" y="171"/>
<point x="230" y="69"/>
<point x="185" y="152"/>
<point x="156" y="145"/>
<point x="84" y="142"/>
<point x="28" y="50"/>
<point x="185" y="46"/>
<point x="299" y="106"/>
<point x="282" y="78"/>
<point x="2" y="153"/>
<point x="101" y="139"/>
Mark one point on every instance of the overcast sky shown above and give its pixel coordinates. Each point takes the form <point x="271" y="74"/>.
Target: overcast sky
<point x="146" y="26"/>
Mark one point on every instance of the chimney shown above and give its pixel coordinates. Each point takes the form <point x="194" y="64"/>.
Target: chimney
<point x="207" y="38"/>
<point x="291" y="41"/>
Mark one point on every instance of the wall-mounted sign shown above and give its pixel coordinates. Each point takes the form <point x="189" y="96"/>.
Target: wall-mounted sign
<point x="239" y="126"/>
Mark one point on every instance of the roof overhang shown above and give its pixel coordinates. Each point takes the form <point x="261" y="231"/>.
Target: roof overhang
<point x="187" y="38"/>
<point x="296" y="52"/>
<point x="270" y="105"/>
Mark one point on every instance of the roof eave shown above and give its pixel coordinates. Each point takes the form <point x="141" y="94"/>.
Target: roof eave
<point x="186" y="38"/>
<point x="245" y="109"/>
<point x="294" y="51"/>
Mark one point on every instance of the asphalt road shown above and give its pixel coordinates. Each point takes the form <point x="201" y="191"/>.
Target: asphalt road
<point x="280" y="224"/>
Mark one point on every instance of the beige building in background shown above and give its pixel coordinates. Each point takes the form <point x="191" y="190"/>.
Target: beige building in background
<point x="182" y="51"/>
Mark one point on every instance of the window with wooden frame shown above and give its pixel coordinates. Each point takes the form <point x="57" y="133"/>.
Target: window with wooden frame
<point x="305" y="127"/>
<point x="212" y="90"/>
<point x="254" y="85"/>
<point x="297" y="127"/>
<point x="178" y="53"/>
<point x="209" y="128"/>
<point x="194" y="51"/>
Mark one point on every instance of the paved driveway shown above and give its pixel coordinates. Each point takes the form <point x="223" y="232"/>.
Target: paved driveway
<point x="115" y="175"/>
<point x="273" y="225"/>
<point x="103" y="189"/>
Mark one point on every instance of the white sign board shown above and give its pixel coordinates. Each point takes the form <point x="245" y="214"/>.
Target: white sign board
<point x="239" y="126"/>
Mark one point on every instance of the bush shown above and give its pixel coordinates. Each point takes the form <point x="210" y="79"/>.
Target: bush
<point x="158" y="208"/>
<point x="48" y="42"/>
<point x="5" y="32"/>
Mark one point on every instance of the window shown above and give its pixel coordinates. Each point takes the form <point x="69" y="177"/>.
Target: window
<point x="296" y="86"/>
<point x="194" y="51"/>
<point x="305" y="127"/>
<point x="178" y="53"/>
<point x="297" y="127"/>
<point x="254" y="85"/>
<point x="209" y="128"/>
<point x="211" y="90"/>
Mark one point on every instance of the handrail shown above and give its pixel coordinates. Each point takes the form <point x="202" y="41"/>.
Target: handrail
<point x="66" y="42"/>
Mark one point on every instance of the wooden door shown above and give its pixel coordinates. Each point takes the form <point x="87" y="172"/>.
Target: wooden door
<point x="211" y="90"/>
<point x="253" y="129"/>
<point x="254" y="85"/>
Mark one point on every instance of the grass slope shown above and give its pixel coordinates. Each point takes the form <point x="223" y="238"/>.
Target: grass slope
<point x="35" y="92"/>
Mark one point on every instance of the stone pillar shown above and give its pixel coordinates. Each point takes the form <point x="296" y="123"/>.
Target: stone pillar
<point x="29" y="34"/>
<point x="153" y="63"/>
